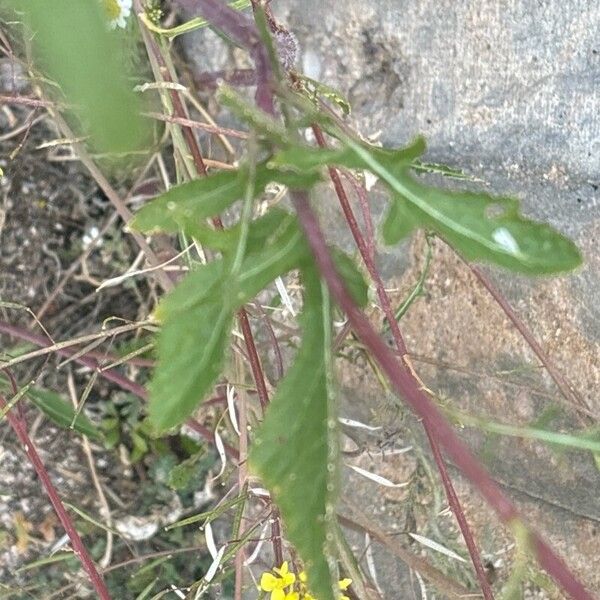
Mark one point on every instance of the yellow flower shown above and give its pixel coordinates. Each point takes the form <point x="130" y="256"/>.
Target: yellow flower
<point x="276" y="584"/>
<point x="117" y="12"/>
<point x="285" y="574"/>
<point x="343" y="585"/>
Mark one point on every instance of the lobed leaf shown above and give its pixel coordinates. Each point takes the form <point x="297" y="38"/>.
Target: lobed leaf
<point x="292" y="451"/>
<point x="480" y="226"/>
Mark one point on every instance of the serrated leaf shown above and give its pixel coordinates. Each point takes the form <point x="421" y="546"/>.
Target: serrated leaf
<point x="62" y="412"/>
<point x="292" y="452"/>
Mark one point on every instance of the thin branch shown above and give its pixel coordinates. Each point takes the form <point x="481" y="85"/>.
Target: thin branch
<point x="79" y="548"/>
<point x="104" y="505"/>
<point x="26" y="101"/>
<point x="242" y="135"/>
<point x="361" y="523"/>
<point x="116" y="378"/>
<point x="407" y="388"/>
<point x="367" y="251"/>
<point x="558" y="378"/>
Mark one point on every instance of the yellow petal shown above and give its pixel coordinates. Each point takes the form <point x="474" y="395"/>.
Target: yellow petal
<point x="278" y="594"/>
<point x="302" y="576"/>
<point x="268" y="582"/>
<point x="283" y="569"/>
<point x="292" y="596"/>
<point x="344" y="583"/>
<point x="288" y="579"/>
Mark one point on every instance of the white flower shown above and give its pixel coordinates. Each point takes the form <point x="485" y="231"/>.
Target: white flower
<point x="117" y="12"/>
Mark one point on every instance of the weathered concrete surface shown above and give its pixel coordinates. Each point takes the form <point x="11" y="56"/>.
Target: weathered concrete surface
<point x="510" y="92"/>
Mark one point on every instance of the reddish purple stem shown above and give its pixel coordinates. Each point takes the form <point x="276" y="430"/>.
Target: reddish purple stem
<point x="367" y="251"/>
<point x="407" y="388"/>
<point x="243" y="32"/>
<point x="78" y="546"/>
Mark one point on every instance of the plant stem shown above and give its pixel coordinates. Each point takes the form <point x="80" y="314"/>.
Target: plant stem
<point x="265" y="101"/>
<point x="405" y="385"/>
<point x="241" y="29"/>
<point x="556" y="375"/>
<point x="367" y="251"/>
<point x="79" y="548"/>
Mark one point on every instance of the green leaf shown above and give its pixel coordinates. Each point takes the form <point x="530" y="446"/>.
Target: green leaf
<point x="197" y="199"/>
<point x="75" y="48"/>
<point x="191" y="350"/>
<point x="295" y="449"/>
<point x="62" y="412"/>
<point x="187" y="205"/>
<point x="183" y="474"/>
<point x="306" y="158"/>
<point x="352" y="277"/>
<point x="198" y="317"/>
<point x="480" y="226"/>
<point x="398" y="224"/>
